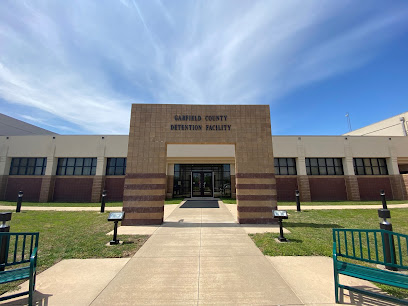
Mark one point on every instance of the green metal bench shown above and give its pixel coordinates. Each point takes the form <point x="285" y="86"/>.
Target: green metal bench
<point x="369" y="246"/>
<point x="18" y="260"/>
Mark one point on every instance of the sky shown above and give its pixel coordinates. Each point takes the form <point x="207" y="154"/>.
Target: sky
<point x="75" y="67"/>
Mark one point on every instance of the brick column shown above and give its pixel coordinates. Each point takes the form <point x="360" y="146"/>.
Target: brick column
<point x="397" y="187"/>
<point x="48" y="181"/>
<point x="97" y="187"/>
<point x="353" y="191"/>
<point x="169" y="187"/>
<point x="4" y="171"/>
<point x="47" y="188"/>
<point x="404" y="181"/>
<point x="304" y="188"/>
<point x="3" y="185"/>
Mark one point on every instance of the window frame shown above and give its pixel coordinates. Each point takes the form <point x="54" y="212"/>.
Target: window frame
<point x="321" y="166"/>
<point x="30" y="162"/>
<point x="114" y="160"/>
<point x="364" y="165"/>
<point x="76" y="166"/>
<point x="277" y="165"/>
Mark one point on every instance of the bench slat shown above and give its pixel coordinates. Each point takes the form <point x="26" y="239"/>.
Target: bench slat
<point x="372" y="274"/>
<point x="16" y="274"/>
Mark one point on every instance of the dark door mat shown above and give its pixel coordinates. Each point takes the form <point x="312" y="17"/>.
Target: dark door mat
<point x="200" y="204"/>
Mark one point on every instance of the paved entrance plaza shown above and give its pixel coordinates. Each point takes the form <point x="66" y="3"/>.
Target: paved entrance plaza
<point x="199" y="256"/>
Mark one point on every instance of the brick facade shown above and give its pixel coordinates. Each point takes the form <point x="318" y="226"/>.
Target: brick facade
<point x="286" y="187"/>
<point x="327" y="188"/>
<point x="30" y="185"/>
<point x="153" y="126"/>
<point x="304" y="188"/>
<point x="73" y="189"/>
<point x="370" y="187"/>
<point x="114" y="187"/>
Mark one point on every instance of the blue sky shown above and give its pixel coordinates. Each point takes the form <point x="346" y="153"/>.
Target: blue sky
<point x="75" y="67"/>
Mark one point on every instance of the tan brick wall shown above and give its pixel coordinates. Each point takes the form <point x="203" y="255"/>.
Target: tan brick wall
<point x="247" y="127"/>
<point x="169" y="186"/>
<point x="233" y="187"/>
<point x="405" y="186"/>
<point x="47" y="188"/>
<point x="304" y="188"/>
<point x="3" y="185"/>
<point x="353" y="191"/>
<point x="97" y="187"/>
<point x="397" y="187"/>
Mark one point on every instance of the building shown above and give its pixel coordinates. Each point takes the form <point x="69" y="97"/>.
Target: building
<point x="202" y="151"/>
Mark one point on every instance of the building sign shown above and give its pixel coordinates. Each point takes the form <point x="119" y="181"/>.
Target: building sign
<point x="199" y="123"/>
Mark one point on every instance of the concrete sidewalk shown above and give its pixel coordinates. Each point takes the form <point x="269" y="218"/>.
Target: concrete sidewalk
<point x="119" y="208"/>
<point x="198" y="256"/>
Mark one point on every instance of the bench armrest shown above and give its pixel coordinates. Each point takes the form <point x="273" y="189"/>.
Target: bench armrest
<point x="33" y="260"/>
<point x="334" y="251"/>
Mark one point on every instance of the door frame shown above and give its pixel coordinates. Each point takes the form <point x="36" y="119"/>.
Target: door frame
<point x="202" y="176"/>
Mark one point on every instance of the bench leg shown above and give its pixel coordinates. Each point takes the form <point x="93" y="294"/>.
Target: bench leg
<point x="31" y="288"/>
<point x="336" y="283"/>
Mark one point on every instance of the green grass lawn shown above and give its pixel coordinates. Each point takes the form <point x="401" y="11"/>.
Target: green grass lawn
<point x="311" y="233"/>
<point x="74" y="204"/>
<point x="65" y="235"/>
<point x="234" y="201"/>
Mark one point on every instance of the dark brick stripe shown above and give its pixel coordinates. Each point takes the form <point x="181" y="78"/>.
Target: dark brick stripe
<point x="143" y="209"/>
<point x="145" y="186"/>
<point x="257" y="220"/>
<point x="142" y="221"/>
<point x="256" y="197"/>
<point x="146" y="175"/>
<point x="145" y="198"/>
<point x="255" y="175"/>
<point x="256" y="186"/>
<point x="254" y="209"/>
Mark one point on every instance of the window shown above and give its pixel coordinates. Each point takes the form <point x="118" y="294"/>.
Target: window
<point x="324" y="166"/>
<point x="76" y="166"/>
<point x="370" y="166"/>
<point x="285" y="166"/>
<point x="28" y="166"/>
<point x="116" y="166"/>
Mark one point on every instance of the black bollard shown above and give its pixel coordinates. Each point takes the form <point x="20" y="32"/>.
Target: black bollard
<point x="19" y="200"/>
<point x="384" y="202"/>
<point x="5" y="218"/>
<point x="385" y="223"/>
<point x="104" y="194"/>
<point x="297" y="200"/>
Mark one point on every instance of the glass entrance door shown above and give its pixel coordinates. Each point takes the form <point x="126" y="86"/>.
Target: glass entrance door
<point x="202" y="184"/>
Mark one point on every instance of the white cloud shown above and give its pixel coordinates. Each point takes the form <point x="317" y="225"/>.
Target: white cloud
<point x="86" y="62"/>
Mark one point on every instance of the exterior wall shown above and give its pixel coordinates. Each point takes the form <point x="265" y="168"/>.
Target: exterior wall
<point x="370" y="186"/>
<point x="114" y="186"/>
<point x="389" y="127"/>
<point x="327" y="188"/>
<point x="285" y="187"/>
<point x="247" y="127"/>
<point x="69" y="189"/>
<point x="31" y="186"/>
<point x="394" y="149"/>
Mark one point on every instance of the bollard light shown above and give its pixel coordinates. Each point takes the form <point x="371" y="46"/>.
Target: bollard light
<point x="297" y="194"/>
<point x="115" y="217"/>
<point x="103" y="198"/>
<point x="5" y="218"/>
<point x="389" y="247"/>
<point x="19" y="200"/>
<point x="280" y="214"/>
<point x="384" y="202"/>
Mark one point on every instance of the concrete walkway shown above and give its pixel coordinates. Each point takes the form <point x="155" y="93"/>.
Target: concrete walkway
<point x="199" y="256"/>
<point x="119" y="208"/>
